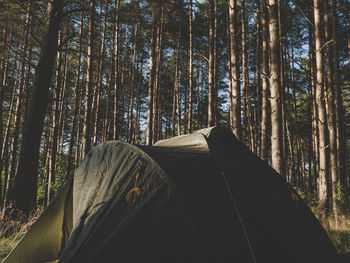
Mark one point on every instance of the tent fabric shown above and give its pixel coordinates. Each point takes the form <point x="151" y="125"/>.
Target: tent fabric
<point x="201" y="197"/>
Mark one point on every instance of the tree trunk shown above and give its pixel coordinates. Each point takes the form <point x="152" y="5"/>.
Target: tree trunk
<point x="116" y="70"/>
<point x="340" y="124"/>
<point x="321" y="120"/>
<point x="76" y="101"/>
<point x="190" y="72"/>
<point x="282" y="86"/>
<point x="257" y="107"/>
<point x="265" y="85"/>
<point x="131" y="115"/>
<point x="235" y="92"/>
<point x="156" y="95"/>
<point x="86" y="143"/>
<point x="331" y="110"/>
<point x="25" y="185"/>
<point x="176" y="86"/>
<point x="152" y="73"/>
<point x="211" y="76"/>
<point x="313" y="102"/>
<point x="244" y="74"/>
<point x="276" y="110"/>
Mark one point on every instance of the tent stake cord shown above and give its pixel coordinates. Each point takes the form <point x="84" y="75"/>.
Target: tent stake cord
<point x="239" y="216"/>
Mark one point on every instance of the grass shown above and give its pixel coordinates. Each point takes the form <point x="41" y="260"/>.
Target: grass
<point x="7" y="243"/>
<point x="11" y="231"/>
<point x="339" y="233"/>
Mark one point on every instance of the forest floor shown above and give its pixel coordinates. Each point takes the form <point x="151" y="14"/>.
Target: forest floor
<point x="340" y="234"/>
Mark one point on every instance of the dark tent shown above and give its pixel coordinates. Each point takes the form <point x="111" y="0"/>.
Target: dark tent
<point x="201" y="197"/>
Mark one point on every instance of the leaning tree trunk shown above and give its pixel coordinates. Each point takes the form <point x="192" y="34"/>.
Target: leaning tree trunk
<point x="25" y="184"/>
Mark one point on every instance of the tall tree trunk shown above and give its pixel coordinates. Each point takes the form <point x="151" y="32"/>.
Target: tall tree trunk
<point x="176" y="86"/>
<point x="340" y="124"/>
<point x="265" y="85"/>
<point x="76" y="101"/>
<point x="152" y="73"/>
<point x="313" y="101"/>
<point x="100" y="74"/>
<point x="25" y="185"/>
<point x="235" y="98"/>
<point x="244" y="74"/>
<point x="157" y="79"/>
<point x="86" y="144"/>
<point x="282" y="86"/>
<point x="132" y="83"/>
<point x="116" y="70"/>
<point x="190" y="72"/>
<point x="54" y="125"/>
<point x="321" y="120"/>
<point x="257" y="107"/>
<point x="211" y="74"/>
<point x="276" y="110"/>
<point x="331" y="109"/>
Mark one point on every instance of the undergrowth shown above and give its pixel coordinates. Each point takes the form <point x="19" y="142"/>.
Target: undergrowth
<point x="13" y="226"/>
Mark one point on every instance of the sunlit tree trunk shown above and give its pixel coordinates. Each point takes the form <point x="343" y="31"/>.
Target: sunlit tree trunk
<point x="132" y="83"/>
<point x="116" y="70"/>
<point x="330" y="109"/>
<point x="235" y="92"/>
<point x="265" y="85"/>
<point x="321" y="114"/>
<point x="313" y="103"/>
<point x="152" y="73"/>
<point x="276" y="110"/>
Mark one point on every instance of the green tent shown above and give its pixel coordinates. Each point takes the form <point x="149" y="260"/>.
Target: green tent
<point x="201" y="197"/>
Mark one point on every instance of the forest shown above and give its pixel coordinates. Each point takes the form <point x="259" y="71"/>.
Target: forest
<point x="76" y="73"/>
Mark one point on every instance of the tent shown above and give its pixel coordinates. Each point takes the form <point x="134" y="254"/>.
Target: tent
<point x="202" y="197"/>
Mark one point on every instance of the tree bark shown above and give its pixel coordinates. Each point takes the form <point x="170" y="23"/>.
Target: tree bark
<point x="265" y="85"/>
<point x="340" y="124"/>
<point x="190" y="71"/>
<point x="132" y="83"/>
<point x="321" y="114"/>
<point x="89" y="88"/>
<point x="152" y="73"/>
<point x="116" y="70"/>
<point x="235" y="98"/>
<point x="276" y="110"/>
<point x="244" y="74"/>
<point x="176" y="87"/>
<point x="211" y="76"/>
<point x="330" y="109"/>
